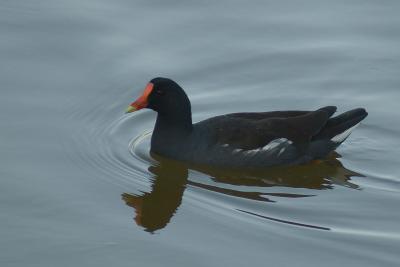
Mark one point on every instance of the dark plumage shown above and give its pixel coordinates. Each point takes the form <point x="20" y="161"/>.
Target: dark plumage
<point x="241" y="140"/>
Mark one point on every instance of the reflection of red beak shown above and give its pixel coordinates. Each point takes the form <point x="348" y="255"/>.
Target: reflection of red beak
<point x="142" y="101"/>
<point x="135" y="202"/>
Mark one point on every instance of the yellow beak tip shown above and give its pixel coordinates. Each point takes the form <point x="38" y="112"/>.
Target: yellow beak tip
<point x="130" y="109"/>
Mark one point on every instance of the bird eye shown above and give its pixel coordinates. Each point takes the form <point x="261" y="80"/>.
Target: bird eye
<point x="159" y="92"/>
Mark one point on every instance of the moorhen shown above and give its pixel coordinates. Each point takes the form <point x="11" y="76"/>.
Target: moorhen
<point x="241" y="140"/>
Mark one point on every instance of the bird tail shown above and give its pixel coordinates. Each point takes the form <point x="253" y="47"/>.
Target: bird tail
<point x="338" y="128"/>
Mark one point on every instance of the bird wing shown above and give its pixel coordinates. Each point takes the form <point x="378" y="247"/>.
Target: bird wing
<point x="253" y="131"/>
<point x="266" y="115"/>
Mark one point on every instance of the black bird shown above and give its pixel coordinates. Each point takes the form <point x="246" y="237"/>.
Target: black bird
<point x="241" y="140"/>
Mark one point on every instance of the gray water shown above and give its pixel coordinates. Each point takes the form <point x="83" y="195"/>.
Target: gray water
<point x="79" y="188"/>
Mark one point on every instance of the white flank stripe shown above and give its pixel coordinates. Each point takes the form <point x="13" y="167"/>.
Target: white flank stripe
<point x="275" y="143"/>
<point x="270" y="146"/>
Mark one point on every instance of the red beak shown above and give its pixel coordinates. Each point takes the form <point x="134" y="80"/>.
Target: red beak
<point x="142" y="101"/>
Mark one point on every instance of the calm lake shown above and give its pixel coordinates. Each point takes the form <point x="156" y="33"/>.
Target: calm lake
<point x="79" y="187"/>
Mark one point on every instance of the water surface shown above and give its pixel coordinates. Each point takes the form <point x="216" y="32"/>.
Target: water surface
<point x="79" y="187"/>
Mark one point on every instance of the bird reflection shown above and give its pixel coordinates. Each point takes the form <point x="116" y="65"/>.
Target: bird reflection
<point x="155" y="209"/>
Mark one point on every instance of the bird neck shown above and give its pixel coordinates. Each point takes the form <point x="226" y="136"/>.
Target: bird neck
<point x="173" y="127"/>
<point x="174" y="122"/>
<point x="170" y="133"/>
